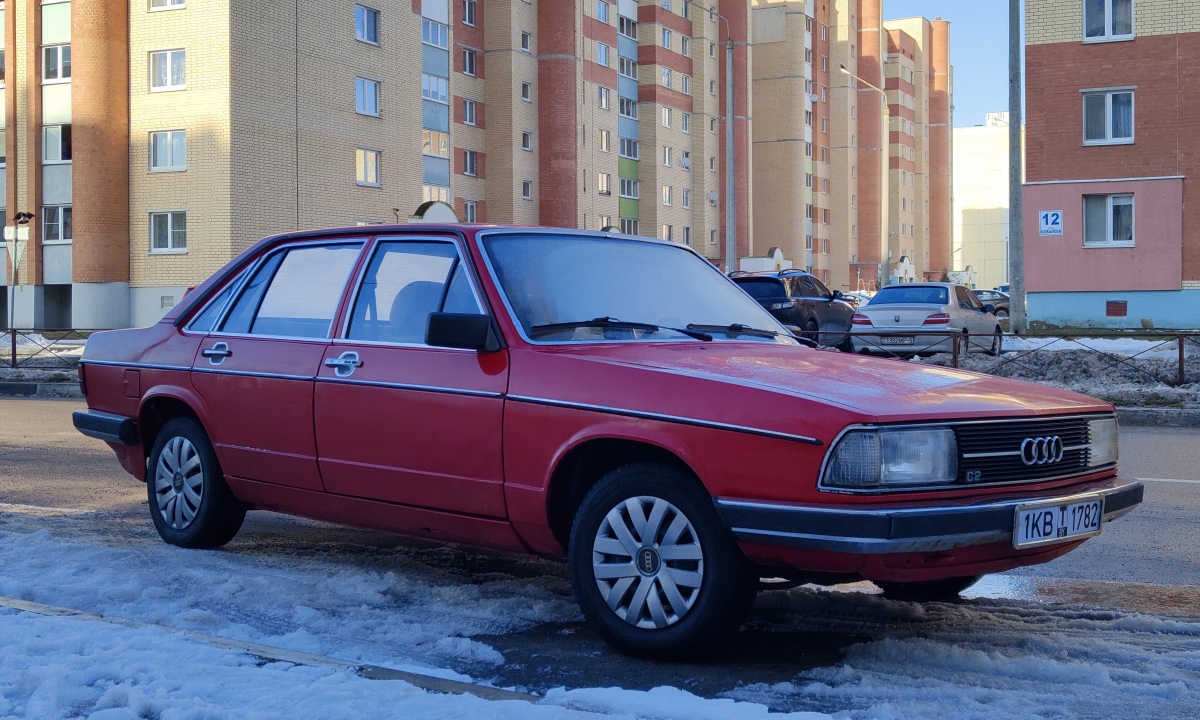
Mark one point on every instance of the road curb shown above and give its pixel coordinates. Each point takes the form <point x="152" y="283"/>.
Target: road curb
<point x="40" y="390"/>
<point x="1159" y="417"/>
<point x="267" y="652"/>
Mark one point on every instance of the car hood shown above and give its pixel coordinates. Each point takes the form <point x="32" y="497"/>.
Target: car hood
<point x="879" y="389"/>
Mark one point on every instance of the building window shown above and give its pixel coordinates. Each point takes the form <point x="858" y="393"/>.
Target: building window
<point x="168" y="231"/>
<point x="712" y="237"/>
<point x="712" y="49"/>
<point x="686" y="161"/>
<point x="605" y="141"/>
<point x="367" y="166"/>
<point x="627" y="27"/>
<point x="434" y="88"/>
<point x="685" y="45"/>
<point x="604" y="184"/>
<point x="808" y="183"/>
<point x="685" y="84"/>
<point x="602" y="54"/>
<point x="666" y="38"/>
<point x="712" y="163"/>
<point x="366" y="97"/>
<point x="56" y="63"/>
<point x="470" y="162"/>
<point x="435" y="193"/>
<point x="687" y="232"/>
<point x="629" y="188"/>
<point x="435" y="143"/>
<point x="470" y="213"/>
<point x="712" y="125"/>
<point x="666" y="232"/>
<point x="627" y="107"/>
<point x="807" y="149"/>
<point x="165" y="4"/>
<point x="168" y="150"/>
<point x="1107" y="20"/>
<point x="666" y="117"/>
<point x="602" y="11"/>
<point x="685" y="122"/>
<point x="668" y="155"/>
<point x="166" y="70"/>
<point x="627" y="67"/>
<point x="366" y="24"/>
<point x="666" y="5"/>
<point x="808" y="211"/>
<point x="825" y="217"/>
<point x="527" y="92"/>
<point x="628" y="148"/>
<point x="603" y="101"/>
<point x="808" y="116"/>
<point x="1108" y="220"/>
<point x="712" y="87"/>
<point x="605" y="221"/>
<point x="526" y="189"/>
<point x="56" y="144"/>
<point x="824" y="63"/>
<point x="470" y="60"/>
<point x="1108" y="117"/>
<point x="468" y="112"/>
<point x="56" y="223"/>
<point x="824" y="124"/>
<point x="687" y="199"/>
<point x="527" y="42"/>
<point x="469" y="8"/>
<point x="435" y="34"/>
<point x="527" y="141"/>
<point x="630" y="226"/>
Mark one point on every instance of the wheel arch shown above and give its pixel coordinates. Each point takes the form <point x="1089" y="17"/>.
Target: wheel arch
<point x="159" y="408"/>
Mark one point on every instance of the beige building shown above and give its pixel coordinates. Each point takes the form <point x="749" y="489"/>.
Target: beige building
<point x="981" y="200"/>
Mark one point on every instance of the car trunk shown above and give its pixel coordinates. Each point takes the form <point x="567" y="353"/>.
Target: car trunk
<point x="899" y="316"/>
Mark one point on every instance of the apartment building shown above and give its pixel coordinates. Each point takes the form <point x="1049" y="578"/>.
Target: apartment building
<point x="1112" y="132"/>
<point x="981" y="201"/>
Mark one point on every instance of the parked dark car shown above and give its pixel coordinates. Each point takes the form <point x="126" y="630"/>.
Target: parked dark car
<point x="995" y="298"/>
<point x="797" y="298"/>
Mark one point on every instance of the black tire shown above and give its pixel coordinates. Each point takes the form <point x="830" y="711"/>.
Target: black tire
<point x="218" y="515"/>
<point x="812" y="331"/>
<point x="1001" y="313"/>
<point x="707" y="612"/>
<point x="943" y="590"/>
<point x="997" y="343"/>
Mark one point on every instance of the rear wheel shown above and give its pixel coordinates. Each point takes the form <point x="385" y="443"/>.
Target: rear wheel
<point x="653" y="567"/>
<point x="997" y="343"/>
<point x="812" y="331"/>
<point x="190" y="504"/>
<point x="928" y="591"/>
<point x="1002" y="313"/>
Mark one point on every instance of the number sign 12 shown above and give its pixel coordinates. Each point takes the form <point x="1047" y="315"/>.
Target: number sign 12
<point x="1050" y="222"/>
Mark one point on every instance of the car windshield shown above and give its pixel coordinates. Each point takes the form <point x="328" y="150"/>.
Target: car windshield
<point x="910" y="295"/>
<point x="762" y="288"/>
<point x="577" y="280"/>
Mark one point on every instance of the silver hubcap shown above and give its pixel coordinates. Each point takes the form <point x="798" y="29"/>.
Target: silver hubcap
<point x="179" y="482"/>
<point x="648" y="562"/>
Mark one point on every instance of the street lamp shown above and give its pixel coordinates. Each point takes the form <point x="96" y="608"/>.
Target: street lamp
<point x="730" y="192"/>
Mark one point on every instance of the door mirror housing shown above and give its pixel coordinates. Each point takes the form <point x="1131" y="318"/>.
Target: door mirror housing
<point x="468" y="331"/>
<point x="989" y="308"/>
<point x="837" y="295"/>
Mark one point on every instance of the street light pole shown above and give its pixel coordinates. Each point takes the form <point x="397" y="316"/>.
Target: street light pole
<point x="885" y="264"/>
<point x="1016" y="230"/>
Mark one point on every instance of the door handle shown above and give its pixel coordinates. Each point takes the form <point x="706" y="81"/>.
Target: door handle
<point x="345" y="364"/>
<point x="217" y="353"/>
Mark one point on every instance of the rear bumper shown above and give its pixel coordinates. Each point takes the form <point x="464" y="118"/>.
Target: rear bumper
<point x="108" y="427"/>
<point x="923" y="341"/>
<point x="864" y="530"/>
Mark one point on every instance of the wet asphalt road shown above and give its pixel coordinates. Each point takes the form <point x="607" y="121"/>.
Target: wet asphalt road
<point x="1148" y="561"/>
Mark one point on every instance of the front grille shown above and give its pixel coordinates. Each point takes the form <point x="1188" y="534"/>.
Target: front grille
<point x="997" y="447"/>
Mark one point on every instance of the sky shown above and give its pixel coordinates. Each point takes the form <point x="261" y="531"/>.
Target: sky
<point x="978" y="51"/>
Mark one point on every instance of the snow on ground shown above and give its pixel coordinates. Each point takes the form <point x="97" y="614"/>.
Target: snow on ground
<point x="1115" y="346"/>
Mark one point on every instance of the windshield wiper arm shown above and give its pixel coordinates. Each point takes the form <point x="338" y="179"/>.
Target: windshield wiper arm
<point x="740" y="329"/>
<point x="607" y="322"/>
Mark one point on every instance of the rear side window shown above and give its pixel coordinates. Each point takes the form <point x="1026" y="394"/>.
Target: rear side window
<point x="762" y="289"/>
<point x="903" y="295"/>
<point x="294" y="294"/>
<point x="404" y="284"/>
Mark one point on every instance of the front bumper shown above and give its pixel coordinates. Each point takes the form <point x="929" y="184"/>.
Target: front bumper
<point x="875" y="530"/>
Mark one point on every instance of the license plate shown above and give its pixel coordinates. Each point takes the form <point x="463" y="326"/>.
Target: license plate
<point x="1043" y="524"/>
<point x="897" y="340"/>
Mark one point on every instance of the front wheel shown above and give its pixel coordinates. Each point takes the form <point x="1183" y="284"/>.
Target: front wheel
<point x="997" y="343"/>
<point x="944" y="590"/>
<point x="653" y="567"/>
<point x="190" y="504"/>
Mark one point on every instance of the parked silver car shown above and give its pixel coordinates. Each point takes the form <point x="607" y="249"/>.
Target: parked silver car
<point x="926" y="318"/>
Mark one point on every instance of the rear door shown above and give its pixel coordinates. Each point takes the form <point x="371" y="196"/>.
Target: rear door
<point x="396" y="419"/>
<point x="256" y="371"/>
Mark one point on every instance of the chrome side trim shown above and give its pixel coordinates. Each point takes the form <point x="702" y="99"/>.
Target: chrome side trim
<point x="667" y="418"/>
<point x="406" y="386"/>
<point x="139" y="366"/>
<point x="247" y="373"/>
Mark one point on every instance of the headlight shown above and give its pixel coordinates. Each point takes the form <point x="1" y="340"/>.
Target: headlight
<point x="901" y="457"/>
<point x="1102" y="435"/>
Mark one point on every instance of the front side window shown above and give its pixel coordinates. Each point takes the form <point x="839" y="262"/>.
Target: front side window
<point x="404" y="284"/>
<point x="56" y="223"/>
<point x="168" y="231"/>
<point x="294" y="294"/>
<point x="550" y="279"/>
<point x="168" y="150"/>
<point x="1107" y="19"/>
<point x="1108" y="117"/>
<point x="56" y="63"/>
<point x="366" y="97"/>
<point x="367" y="166"/>
<point x="56" y="144"/>
<point x="1108" y="220"/>
<point x="366" y="24"/>
<point x="167" y="70"/>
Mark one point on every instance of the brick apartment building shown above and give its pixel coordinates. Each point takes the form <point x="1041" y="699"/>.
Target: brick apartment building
<point x="154" y="139"/>
<point x="1113" y="150"/>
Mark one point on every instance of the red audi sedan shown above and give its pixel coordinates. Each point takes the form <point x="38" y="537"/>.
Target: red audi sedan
<point x="610" y="400"/>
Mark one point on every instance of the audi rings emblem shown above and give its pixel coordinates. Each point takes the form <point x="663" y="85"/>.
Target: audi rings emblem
<point x="1042" y="451"/>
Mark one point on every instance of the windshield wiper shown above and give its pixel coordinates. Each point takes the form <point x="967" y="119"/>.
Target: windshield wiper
<point x="612" y="323"/>
<point x="740" y="329"/>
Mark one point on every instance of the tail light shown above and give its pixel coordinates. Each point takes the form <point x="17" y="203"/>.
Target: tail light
<point x="82" y="379"/>
<point x="787" y="304"/>
<point x="938" y="319"/>
<point x="860" y="319"/>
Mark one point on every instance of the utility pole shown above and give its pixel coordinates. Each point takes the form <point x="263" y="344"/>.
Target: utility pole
<point x="731" y="262"/>
<point x="1016" y="227"/>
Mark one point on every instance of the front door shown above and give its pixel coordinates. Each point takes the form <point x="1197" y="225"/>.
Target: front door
<point x="396" y="419"/>
<point x="256" y="372"/>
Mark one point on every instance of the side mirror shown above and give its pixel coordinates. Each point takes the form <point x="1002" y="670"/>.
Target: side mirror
<point x="458" y="330"/>
<point x="989" y="308"/>
<point x="837" y="295"/>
